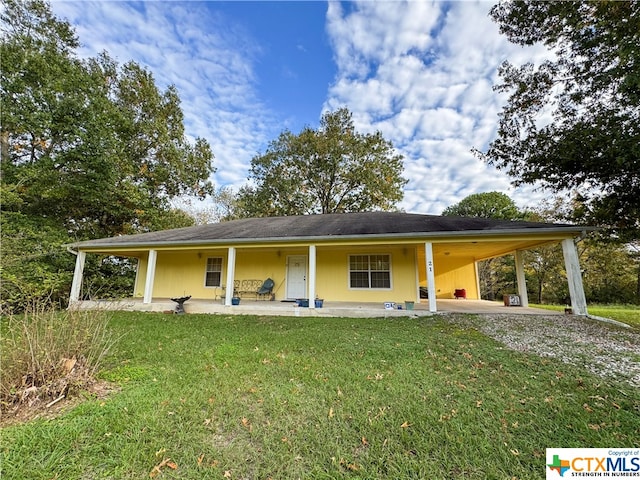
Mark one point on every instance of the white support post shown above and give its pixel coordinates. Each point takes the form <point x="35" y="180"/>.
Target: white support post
<point x="574" y="277"/>
<point x="417" y="275"/>
<point x="135" y="283"/>
<point x="151" y="275"/>
<point x="231" y="272"/>
<point x="77" y="277"/>
<point x="478" y="292"/>
<point x="521" y="279"/>
<point x="312" y="276"/>
<point x="431" y="278"/>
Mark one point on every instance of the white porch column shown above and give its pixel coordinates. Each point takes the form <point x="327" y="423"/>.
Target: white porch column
<point x="151" y="275"/>
<point x="231" y="272"/>
<point x="77" y="277"/>
<point x="312" y="276"/>
<point x="431" y="278"/>
<point x="417" y="274"/>
<point x="520" y="277"/>
<point x="574" y="277"/>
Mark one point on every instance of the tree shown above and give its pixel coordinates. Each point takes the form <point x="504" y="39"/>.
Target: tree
<point x="329" y="170"/>
<point x="34" y="266"/>
<point x="88" y="149"/>
<point x="97" y="147"/>
<point x="495" y="275"/>
<point x="221" y="209"/>
<point x="486" y="205"/>
<point x="611" y="271"/>
<point x="573" y="123"/>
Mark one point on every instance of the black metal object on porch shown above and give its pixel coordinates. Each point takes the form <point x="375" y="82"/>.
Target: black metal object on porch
<point x="180" y="304"/>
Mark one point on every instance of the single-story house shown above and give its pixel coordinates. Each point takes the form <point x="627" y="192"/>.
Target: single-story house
<point x="349" y="257"/>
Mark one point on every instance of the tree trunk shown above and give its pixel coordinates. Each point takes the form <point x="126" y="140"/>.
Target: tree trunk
<point x="4" y="146"/>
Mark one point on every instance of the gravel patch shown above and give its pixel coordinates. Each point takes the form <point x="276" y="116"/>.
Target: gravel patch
<point x="602" y="348"/>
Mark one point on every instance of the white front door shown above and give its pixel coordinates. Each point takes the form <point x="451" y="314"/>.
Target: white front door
<point x="297" y="276"/>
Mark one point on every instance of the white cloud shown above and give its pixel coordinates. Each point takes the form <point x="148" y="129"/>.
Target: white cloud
<point x="422" y="73"/>
<point x="419" y="71"/>
<point x="207" y="57"/>
<point x="364" y="36"/>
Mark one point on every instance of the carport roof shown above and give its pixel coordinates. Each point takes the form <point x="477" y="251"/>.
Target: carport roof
<point x="333" y="226"/>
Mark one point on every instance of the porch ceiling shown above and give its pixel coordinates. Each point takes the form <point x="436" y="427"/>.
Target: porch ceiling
<point x="482" y="249"/>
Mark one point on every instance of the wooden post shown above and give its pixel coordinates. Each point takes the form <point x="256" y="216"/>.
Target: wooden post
<point x="312" y="276"/>
<point x="478" y="292"/>
<point x="574" y="277"/>
<point x="77" y="277"/>
<point x="231" y="272"/>
<point x="417" y="274"/>
<point x="151" y="275"/>
<point x="522" y="281"/>
<point x="431" y="278"/>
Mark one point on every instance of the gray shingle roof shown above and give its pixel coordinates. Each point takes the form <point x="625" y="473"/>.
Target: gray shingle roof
<point x="392" y="224"/>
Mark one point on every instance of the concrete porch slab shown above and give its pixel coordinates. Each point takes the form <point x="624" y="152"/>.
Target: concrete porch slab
<point x="329" y="309"/>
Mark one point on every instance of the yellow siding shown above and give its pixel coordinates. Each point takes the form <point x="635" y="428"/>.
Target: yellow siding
<point x="332" y="279"/>
<point x="455" y="273"/>
<point x="260" y="265"/>
<point x="182" y="272"/>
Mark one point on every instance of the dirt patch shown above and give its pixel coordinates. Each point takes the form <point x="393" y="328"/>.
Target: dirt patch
<point x="65" y="386"/>
<point x="41" y="407"/>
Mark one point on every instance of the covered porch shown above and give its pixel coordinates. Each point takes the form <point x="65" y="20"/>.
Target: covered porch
<point x="354" y="261"/>
<point x="439" y="263"/>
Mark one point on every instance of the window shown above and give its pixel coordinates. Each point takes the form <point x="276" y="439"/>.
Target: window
<point x="369" y="271"/>
<point x="213" y="273"/>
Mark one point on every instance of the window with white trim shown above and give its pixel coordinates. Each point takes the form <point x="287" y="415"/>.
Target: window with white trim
<point x="369" y="271"/>
<point x="213" y="272"/>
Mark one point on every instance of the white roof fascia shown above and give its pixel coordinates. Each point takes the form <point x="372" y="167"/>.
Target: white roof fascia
<point x="563" y="232"/>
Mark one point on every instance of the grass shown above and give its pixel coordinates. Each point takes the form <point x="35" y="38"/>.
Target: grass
<point x="207" y="397"/>
<point x="48" y="354"/>
<point x="629" y="314"/>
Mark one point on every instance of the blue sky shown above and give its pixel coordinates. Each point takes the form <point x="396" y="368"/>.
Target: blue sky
<point x="420" y="72"/>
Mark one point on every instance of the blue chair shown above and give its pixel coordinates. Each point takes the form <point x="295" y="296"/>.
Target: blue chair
<point x="266" y="288"/>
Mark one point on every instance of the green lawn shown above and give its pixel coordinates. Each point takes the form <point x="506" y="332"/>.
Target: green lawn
<point x="629" y="314"/>
<point x="259" y="397"/>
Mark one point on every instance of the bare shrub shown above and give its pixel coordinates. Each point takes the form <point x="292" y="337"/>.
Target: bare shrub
<point x="48" y="355"/>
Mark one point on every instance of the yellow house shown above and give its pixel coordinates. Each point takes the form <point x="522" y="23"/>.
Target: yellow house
<point x="349" y="257"/>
